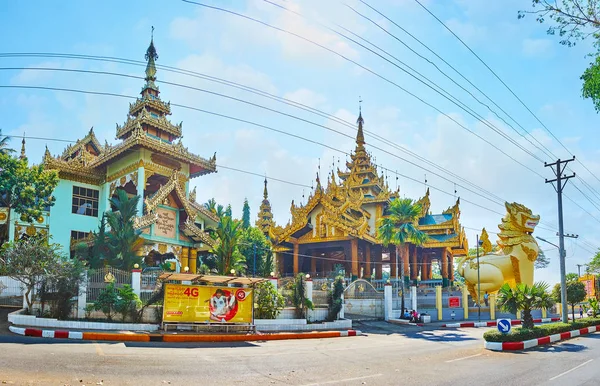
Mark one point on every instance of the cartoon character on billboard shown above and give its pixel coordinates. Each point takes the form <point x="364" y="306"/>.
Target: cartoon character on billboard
<point x="223" y="305"/>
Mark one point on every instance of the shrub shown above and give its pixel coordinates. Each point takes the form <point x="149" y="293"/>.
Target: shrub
<point x="127" y="302"/>
<point x="89" y="308"/>
<point x="334" y="299"/>
<point x="60" y="288"/>
<point x="268" y="302"/>
<point x="521" y="334"/>
<point x="107" y="299"/>
<point x="299" y="300"/>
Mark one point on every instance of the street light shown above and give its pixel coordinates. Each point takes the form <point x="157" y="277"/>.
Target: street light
<point x="232" y="271"/>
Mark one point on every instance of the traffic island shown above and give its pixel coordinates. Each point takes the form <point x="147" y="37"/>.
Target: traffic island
<point x="175" y="337"/>
<point x="521" y="339"/>
<point x="492" y="323"/>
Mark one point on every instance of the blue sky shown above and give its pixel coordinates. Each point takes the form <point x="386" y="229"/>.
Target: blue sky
<point x="544" y="74"/>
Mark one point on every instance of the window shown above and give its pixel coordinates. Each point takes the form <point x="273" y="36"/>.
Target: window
<point x="76" y="235"/>
<point x="85" y="201"/>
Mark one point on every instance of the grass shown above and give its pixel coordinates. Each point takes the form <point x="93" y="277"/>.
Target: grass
<point x="520" y="334"/>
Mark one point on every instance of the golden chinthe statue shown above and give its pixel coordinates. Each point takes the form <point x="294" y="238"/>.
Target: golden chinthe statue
<point x="513" y="263"/>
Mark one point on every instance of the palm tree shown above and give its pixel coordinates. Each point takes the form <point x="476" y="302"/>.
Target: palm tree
<point x="226" y="252"/>
<point x="526" y="298"/>
<point x="4" y="149"/>
<point x="399" y="227"/>
<point x="214" y="207"/>
<point x="123" y="240"/>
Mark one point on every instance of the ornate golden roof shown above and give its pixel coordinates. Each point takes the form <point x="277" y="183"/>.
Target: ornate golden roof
<point x="191" y="230"/>
<point x="81" y="145"/>
<point x="148" y="101"/>
<point x="144" y="117"/>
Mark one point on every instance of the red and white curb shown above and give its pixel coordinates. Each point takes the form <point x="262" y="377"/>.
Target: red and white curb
<point x="512" y="346"/>
<point x="46" y="333"/>
<point x="351" y="333"/>
<point x="493" y="323"/>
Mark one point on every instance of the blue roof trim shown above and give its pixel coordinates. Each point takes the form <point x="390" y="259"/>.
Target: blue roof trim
<point x="442" y="238"/>
<point x="435" y="219"/>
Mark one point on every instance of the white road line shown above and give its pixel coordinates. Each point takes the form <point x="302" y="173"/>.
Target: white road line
<point x="568" y="371"/>
<point x="460" y="359"/>
<point x="343" y="380"/>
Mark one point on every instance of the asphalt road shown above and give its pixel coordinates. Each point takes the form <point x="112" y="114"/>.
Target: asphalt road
<point x="388" y="355"/>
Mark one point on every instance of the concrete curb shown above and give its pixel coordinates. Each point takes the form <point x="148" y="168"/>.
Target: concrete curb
<point x="514" y="346"/>
<point x="132" y="337"/>
<point x="492" y="323"/>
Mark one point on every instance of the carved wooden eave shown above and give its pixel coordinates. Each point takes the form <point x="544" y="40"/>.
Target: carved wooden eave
<point x="425" y="203"/>
<point x="145" y="220"/>
<point x="144" y="117"/>
<point x="192" y="231"/>
<point x="75" y="169"/>
<point x="175" y="150"/>
<point x="175" y="184"/>
<point x="205" y="212"/>
<point x="156" y="104"/>
<point x="89" y="139"/>
<point x="454" y="210"/>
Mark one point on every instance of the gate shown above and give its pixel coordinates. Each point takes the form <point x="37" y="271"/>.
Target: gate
<point x="98" y="279"/>
<point x="11" y="292"/>
<point x="362" y="301"/>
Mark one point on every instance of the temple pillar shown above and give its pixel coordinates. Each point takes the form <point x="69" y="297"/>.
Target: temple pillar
<point x="451" y="266"/>
<point x="141" y="185"/>
<point x="368" y="261"/>
<point x="444" y="259"/>
<point x="296" y="246"/>
<point x="193" y="260"/>
<point x="279" y="263"/>
<point x="354" y="256"/>
<point x="378" y="260"/>
<point x="184" y="258"/>
<point x="313" y="264"/>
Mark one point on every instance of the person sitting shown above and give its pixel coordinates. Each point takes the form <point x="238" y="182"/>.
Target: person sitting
<point x="406" y="314"/>
<point x="415" y="317"/>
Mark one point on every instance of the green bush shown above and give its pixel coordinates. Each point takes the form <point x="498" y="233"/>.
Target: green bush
<point x="521" y="334"/>
<point x="107" y="299"/>
<point x="268" y="302"/>
<point x="127" y="302"/>
<point x="334" y="299"/>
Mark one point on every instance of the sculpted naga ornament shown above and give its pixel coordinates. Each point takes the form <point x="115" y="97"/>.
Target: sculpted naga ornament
<point x="513" y="263"/>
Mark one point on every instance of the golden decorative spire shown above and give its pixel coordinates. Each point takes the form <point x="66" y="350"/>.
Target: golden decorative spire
<point x="486" y="244"/>
<point x="265" y="192"/>
<point x="360" y="136"/>
<point x="265" y="215"/>
<point x="23" y="156"/>
<point x="151" y="57"/>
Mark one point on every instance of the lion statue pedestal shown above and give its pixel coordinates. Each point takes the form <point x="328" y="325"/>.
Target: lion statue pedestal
<point x="513" y="263"/>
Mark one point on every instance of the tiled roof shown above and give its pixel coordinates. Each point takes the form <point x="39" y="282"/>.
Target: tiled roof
<point x="435" y="219"/>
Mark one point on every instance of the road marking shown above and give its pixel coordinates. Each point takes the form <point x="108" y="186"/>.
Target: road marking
<point x="344" y="380"/>
<point x="568" y="371"/>
<point x="99" y="350"/>
<point x="460" y="359"/>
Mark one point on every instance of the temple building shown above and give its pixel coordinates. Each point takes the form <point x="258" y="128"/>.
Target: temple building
<point x="337" y="227"/>
<point x="150" y="161"/>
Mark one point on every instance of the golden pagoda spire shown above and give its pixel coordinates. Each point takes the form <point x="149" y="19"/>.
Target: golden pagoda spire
<point x="360" y="136"/>
<point x="265" y="215"/>
<point x="151" y="57"/>
<point x="23" y="156"/>
<point x="265" y="191"/>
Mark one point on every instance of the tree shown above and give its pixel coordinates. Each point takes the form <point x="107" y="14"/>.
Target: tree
<point x="122" y="243"/>
<point x="575" y="294"/>
<point x="26" y="190"/>
<point x="214" y="207"/>
<point x="571" y="277"/>
<point x="525" y="298"/>
<point x="246" y="215"/>
<point x="398" y="227"/>
<point x="299" y="299"/>
<point x="226" y="252"/>
<point x="594" y="265"/>
<point x="29" y="261"/>
<point x="228" y="211"/>
<point x="269" y="302"/>
<point x="334" y="299"/>
<point x="60" y="288"/>
<point x="573" y="21"/>
<point x="255" y="247"/>
<point x="542" y="260"/>
<point x="4" y="149"/>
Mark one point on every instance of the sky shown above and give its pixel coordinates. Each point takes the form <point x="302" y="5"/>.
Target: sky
<point x="281" y="141"/>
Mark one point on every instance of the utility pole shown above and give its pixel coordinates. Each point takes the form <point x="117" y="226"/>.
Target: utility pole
<point x="579" y="269"/>
<point x="254" y="270"/>
<point x="561" y="181"/>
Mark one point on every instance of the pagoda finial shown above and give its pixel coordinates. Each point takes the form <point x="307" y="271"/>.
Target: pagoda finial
<point x="360" y="137"/>
<point x="265" y="192"/>
<point x="318" y="182"/>
<point x="23" y="156"/>
<point x="151" y="57"/>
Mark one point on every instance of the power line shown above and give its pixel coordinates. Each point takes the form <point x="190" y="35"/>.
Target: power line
<point x="505" y="85"/>
<point x="368" y="70"/>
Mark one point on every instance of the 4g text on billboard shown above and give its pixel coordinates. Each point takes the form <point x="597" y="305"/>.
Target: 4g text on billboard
<point x="197" y="304"/>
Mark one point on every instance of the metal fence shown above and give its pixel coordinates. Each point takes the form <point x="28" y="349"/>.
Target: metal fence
<point x="11" y="292"/>
<point x="98" y="279"/>
<point x="148" y="284"/>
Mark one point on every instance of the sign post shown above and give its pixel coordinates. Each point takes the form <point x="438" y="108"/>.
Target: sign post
<point x="504" y="325"/>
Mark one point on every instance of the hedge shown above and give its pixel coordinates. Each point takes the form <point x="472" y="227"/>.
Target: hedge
<point x="520" y="334"/>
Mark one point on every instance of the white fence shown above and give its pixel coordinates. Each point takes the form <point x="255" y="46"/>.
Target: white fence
<point x="11" y="292"/>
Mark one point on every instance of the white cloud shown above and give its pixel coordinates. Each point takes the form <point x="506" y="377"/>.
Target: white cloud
<point x="537" y="47"/>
